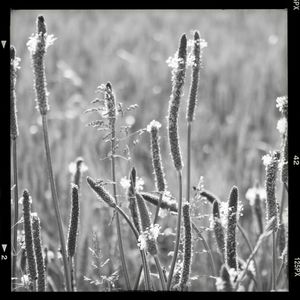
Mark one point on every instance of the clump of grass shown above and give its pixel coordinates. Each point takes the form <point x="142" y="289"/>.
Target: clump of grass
<point x="108" y="199"/>
<point x="41" y="280"/>
<point x="37" y="46"/>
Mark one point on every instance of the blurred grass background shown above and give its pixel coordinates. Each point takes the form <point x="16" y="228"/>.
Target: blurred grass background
<point x="244" y="71"/>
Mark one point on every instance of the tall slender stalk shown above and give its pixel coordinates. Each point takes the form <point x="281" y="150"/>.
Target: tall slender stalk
<point x="207" y="248"/>
<point x="111" y="107"/>
<point x="16" y="213"/>
<point x="56" y="205"/>
<point x="191" y="106"/>
<point x="37" y="46"/>
<point x="274" y="261"/>
<point x="14" y="132"/>
<point x="188" y="165"/>
<point x="173" y="263"/>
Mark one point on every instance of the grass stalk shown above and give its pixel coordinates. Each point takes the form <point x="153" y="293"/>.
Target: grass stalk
<point x="207" y="248"/>
<point x="274" y="261"/>
<point x="16" y="213"/>
<point x="179" y="173"/>
<point x="56" y="205"/>
<point x="188" y="165"/>
<point x="242" y="231"/>
<point x="143" y="255"/>
<point x="160" y="272"/>
<point x="113" y="172"/>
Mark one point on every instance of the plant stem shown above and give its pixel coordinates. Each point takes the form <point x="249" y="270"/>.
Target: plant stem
<point x="143" y="255"/>
<point x="207" y="248"/>
<point x="160" y="272"/>
<point x="137" y="281"/>
<point x="179" y="173"/>
<point x="280" y="271"/>
<point x="274" y="261"/>
<point x="113" y="170"/>
<point x="242" y="231"/>
<point x="188" y="169"/>
<point x="16" y="211"/>
<point x="56" y="206"/>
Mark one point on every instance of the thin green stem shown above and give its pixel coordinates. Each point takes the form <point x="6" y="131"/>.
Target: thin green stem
<point x="143" y="255"/>
<point x="179" y="173"/>
<point x="16" y="211"/>
<point x="120" y="243"/>
<point x="242" y="231"/>
<point x="274" y="261"/>
<point x="188" y="169"/>
<point x="56" y="206"/>
<point x="147" y="276"/>
<point x="137" y="281"/>
<point x="207" y="248"/>
<point x="280" y="271"/>
<point x="160" y="272"/>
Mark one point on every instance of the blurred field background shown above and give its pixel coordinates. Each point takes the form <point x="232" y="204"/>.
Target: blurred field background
<point x="244" y="71"/>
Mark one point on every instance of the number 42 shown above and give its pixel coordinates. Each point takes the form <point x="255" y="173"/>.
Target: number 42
<point x="296" y="160"/>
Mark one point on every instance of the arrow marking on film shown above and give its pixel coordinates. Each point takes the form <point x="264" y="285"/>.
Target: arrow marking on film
<point x="3" y="43"/>
<point x="4" y="247"/>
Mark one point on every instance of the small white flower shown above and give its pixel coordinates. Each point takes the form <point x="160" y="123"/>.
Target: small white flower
<point x="83" y="167"/>
<point x="16" y="62"/>
<point x="241" y="288"/>
<point x="173" y="61"/>
<point x="150" y="234"/>
<point x="253" y="192"/>
<point x="25" y="280"/>
<point x="251" y="267"/>
<point x="162" y="213"/>
<point x="282" y="125"/>
<point x="233" y="274"/>
<point x="281" y="102"/>
<point x="72" y="168"/>
<point x="153" y="231"/>
<point x="34" y="39"/>
<point x="267" y="159"/>
<point x="142" y="241"/>
<point x="153" y="124"/>
<point x="21" y="200"/>
<point x="125" y="183"/>
<point x="139" y="184"/>
<point x="50" y="255"/>
<point x="203" y="43"/>
<point x="219" y="284"/>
